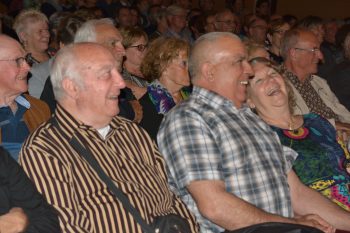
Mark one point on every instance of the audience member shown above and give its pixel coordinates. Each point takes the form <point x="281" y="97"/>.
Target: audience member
<point x="263" y="9"/>
<point x="320" y="157"/>
<point x="256" y="50"/>
<point x="123" y="17"/>
<point x="32" y="30"/>
<point x="165" y="63"/>
<point x="206" y="6"/>
<point x="300" y="50"/>
<point x="225" y="163"/>
<point x="256" y="30"/>
<point x="225" y="21"/>
<point x="290" y="19"/>
<point x="275" y="33"/>
<point x="87" y="88"/>
<point x="177" y="21"/>
<point x="23" y="209"/>
<point x="135" y="42"/>
<point x="20" y="114"/>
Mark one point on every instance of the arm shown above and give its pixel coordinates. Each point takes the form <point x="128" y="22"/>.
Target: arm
<point x="53" y="180"/>
<point x="231" y="212"/>
<point x="30" y="204"/>
<point x="15" y="221"/>
<point x="306" y="201"/>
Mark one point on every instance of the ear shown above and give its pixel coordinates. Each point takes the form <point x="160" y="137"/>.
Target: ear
<point x="207" y="71"/>
<point x="292" y="54"/>
<point x="70" y="87"/>
<point x="22" y="37"/>
<point x="250" y="103"/>
<point x="269" y="37"/>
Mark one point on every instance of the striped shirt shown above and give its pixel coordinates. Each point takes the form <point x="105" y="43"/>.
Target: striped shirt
<point x="84" y="203"/>
<point x="207" y="138"/>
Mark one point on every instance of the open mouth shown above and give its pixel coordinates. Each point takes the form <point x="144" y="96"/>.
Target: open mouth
<point x="274" y="91"/>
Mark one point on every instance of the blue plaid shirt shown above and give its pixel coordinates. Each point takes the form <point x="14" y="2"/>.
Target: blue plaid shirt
<point x="208" y="138"/>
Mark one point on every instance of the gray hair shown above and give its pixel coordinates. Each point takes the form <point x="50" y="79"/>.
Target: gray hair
<point x="175" y="10"/>
<point x="65" y="66"/>
<point x="290" y="39"/>
<point x="87" y="31"/>
<point x="26" y="17"/>
<point x="199" y="52"/>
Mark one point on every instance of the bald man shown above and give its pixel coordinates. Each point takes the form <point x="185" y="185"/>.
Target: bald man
<point x="20" y="114"/>
<point x="225" y="163"/>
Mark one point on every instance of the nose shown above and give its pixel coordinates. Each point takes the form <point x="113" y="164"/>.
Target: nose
<point x="319" y="55"/>
<point x="247" y="68"/>
<point x="119" y="81"/>
<point x="119" y="48"/>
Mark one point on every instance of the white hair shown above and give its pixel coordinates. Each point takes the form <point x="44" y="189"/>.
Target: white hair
<point x="87" y="31"/>
<point x="65" y="66"/>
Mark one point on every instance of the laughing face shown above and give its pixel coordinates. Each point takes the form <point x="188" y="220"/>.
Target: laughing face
<point x="37" y="36"/>
<point x="267" y="89"/>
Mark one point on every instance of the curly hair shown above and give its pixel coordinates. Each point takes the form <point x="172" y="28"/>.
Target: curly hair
<point x="161" y="52"/>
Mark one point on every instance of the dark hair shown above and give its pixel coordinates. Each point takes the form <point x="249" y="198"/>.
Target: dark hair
<point x="342" y="34"/>
<point x="68" y="28"/>
<point x="310" y="22"/>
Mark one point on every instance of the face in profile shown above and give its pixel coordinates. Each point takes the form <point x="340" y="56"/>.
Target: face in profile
<point x="177" y="71"/>
<point x="98" y="98"/>
<point x="267" y="89"/>
<point x="37" y="36"/>
<point x="13" y="67"/>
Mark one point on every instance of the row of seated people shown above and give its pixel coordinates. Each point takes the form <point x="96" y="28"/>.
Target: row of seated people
<point x="87" y="89"/>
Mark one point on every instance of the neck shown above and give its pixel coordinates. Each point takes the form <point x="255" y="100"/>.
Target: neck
<point x="39" y="56"/>
<point x="133" y="69"/>
<point x="281" y="119"/>
<point x="173" y="88"/>
<point x="300" y="73"/>
<point x="275" y="50"/>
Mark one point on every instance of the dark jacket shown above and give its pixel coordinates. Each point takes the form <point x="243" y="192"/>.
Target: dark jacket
<point x="16" y="190"/>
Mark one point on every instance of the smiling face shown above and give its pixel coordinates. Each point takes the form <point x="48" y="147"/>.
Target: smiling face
<point x="13" y="78"/>
<point x="36" y="37"/>
<point x="97" y="100"/>
<point x="267" y="89"/>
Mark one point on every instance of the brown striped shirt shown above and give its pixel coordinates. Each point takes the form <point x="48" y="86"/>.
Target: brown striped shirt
<point x="84" y="203"/>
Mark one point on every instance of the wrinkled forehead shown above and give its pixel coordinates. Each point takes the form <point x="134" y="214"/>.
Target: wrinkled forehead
<point x="9" y="47"/>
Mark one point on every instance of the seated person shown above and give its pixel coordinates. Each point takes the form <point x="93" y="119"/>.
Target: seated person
<point x="20" y="114"/>
<point x="320" y="157"/>
<point x="22" y="208"/>
<point x="165" y="63"/>
<point x="86" y="89"/>
<point x="225" y="163"/>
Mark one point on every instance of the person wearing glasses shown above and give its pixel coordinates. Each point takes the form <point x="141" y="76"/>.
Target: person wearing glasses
<point x="20" y="113"/>
<point x="300" y="50"/>
<point x="225" y="21"/>
<point x="320" y="160"/>
<point x="135" y="42"/>
<point x="277" y="29"/>
<point x="166" y="64"/>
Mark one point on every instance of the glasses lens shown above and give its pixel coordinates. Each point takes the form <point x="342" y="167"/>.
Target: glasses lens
<point x="141" y="47"/>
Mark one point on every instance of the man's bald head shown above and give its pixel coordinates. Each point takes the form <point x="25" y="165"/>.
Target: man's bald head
<point x="8" y="45"/>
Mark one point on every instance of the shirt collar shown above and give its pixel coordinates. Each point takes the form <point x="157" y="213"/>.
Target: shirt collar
<point x="21" y="100"/>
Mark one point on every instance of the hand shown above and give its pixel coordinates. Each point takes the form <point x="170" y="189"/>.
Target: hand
<point x="138" y="110"/>
<point x="15" y="221"/>
<point x="316" y="221"/>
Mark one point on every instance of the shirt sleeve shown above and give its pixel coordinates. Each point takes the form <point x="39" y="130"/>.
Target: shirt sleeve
<point x="189" y="149"/>
<point x="22" y="193"/>
<point x="53" y="180"/>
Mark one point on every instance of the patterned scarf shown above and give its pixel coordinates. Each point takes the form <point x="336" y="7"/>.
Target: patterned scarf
<point x="161" y="98"/>
<point x="310" y="95"/>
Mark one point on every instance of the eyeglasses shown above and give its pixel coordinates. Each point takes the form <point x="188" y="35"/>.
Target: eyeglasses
<point x="228" y="22"/>
<point x="140" y="47"/>
<point x="21" y="60"/>
<point x="281" y="32"/>
<point x="314" y="50"/>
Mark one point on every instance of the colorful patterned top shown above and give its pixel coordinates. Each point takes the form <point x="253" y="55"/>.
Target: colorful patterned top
<point x="320" y="158"/>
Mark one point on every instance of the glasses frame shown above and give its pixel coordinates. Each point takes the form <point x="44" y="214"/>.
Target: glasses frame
<point x="19" y="60"/>
<point x="313" y="50"/>
<point x="139" y="47"/>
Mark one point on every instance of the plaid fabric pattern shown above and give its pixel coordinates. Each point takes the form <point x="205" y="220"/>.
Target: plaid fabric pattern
<point x="208" y="138"/>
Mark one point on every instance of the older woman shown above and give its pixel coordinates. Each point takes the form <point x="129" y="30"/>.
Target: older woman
<point x="166" y="64"/>
<point x="135" y="42"/>
<point x="32" y="30"/>
<point x="320" y="159"/>
<point x="275" y="33"/>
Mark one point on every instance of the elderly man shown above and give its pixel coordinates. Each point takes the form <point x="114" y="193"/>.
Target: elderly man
<point x="225" y="163"/>
<point x="86" y="88"/>
<point x="300" y="50"/>
<point x="20" y="114"/>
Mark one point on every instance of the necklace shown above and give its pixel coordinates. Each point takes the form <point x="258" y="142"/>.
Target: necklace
<point x="295" y="134"/>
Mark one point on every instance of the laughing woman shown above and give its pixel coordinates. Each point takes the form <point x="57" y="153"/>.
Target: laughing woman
<point x="320" y="161"/>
